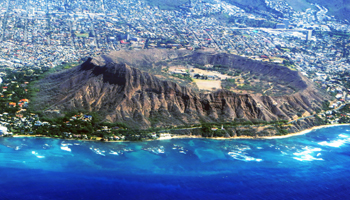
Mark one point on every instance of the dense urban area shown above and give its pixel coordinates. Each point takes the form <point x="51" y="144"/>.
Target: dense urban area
<point x="38" y="37"/>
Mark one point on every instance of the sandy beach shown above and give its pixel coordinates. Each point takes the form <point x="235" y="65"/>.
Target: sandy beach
<point x="264" y="137"/>
<point x="214" y="138"/>
<point x="304" y="131"/>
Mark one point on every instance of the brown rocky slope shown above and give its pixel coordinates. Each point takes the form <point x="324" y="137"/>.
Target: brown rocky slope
<point x="122" y="93"/>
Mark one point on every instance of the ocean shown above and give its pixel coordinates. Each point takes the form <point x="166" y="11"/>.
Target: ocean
<point x="311" y="166"/>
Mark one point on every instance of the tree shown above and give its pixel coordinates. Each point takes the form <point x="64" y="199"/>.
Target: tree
<point x="206" y="129"/>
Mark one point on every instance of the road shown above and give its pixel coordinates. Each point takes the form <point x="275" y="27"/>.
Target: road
<point x="4" y="21"/>
<point x="212" y="39"/>
<point x="93" y="31"/>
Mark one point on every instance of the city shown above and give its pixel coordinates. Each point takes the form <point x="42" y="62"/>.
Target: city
<point x="39" y="35"/>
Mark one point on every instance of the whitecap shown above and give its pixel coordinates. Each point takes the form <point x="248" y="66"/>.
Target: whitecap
<point x="98" y="151"/>
<point x="343" y="136"/>
<point x="307" y="158"/>
<point x="334" y="143"/>
<point x="65" y="148"/>
<point x="242" y="157"/>
<point x="113" y="153"/>
<point x="306" y="154"/>
<point x="37" y="155"/>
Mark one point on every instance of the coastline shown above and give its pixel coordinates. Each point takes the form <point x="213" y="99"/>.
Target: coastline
<point x="304" y="131"/>
<point x="264" y="137"/>
<point x="217" y="138"/>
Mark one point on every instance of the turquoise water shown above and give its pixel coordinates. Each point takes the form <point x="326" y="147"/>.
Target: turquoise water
<point x="311" y="166"/>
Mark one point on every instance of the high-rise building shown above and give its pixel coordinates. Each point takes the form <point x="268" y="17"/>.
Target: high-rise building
<point x="308" y="35"/>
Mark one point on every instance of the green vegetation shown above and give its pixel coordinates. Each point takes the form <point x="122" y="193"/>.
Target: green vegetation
<point x="85" y="35"/>
<point x="89" y="125"/>
<point x="184" y="77"/>
<point x="214" y="129"/>
<point x="58" y="68"/>
<point x="36" y="74"/>
<point x="280" y="130"/>
<point x="325" y="105"/>
<point x="343" y="114"/>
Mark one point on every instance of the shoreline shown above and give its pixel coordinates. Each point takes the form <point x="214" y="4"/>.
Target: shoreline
<point x="303" y="132"/>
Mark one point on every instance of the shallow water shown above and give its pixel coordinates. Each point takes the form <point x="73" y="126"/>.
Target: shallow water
<point x="310" y="166"/>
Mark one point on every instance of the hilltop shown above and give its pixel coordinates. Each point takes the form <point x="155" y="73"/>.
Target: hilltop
<point x="122" y="88"/>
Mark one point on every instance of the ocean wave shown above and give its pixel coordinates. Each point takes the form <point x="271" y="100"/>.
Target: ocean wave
<point x="37" y="155"/>
<point x="155" y="150"/>
<point x="114" y="153"/>
<point x="335" y="143"/>
<point x="243" y="157"/>
<point x="343" y="136"/>
<point x="306" y="154"/>
<point x="65" y="148"/>
<point x="98" y="151"/>
<point x="180" y="149"/>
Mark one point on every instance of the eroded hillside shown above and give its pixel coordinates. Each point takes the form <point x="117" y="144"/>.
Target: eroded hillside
<point x="124" y="93"/>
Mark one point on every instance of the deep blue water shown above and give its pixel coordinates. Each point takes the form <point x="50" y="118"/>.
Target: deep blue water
<point x="311" y="166"/>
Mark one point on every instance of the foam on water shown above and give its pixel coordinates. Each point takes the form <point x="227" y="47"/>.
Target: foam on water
<point x="113" y="153"/>
<point x="37" y="155"/>
<point x="98" y="151"/>
<point x="334" y="143"/>
<point x="188" y="169"/>
<point x="243" y="157"/>
<point x="340" y="141"/>
<point x="306" y="155"/>
<point x="66" y="148"/>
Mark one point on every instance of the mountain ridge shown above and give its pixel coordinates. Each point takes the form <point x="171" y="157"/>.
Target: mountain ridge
<point x="126" y="94"/>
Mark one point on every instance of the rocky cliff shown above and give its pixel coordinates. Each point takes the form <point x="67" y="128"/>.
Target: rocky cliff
<point x="120" y="92"/>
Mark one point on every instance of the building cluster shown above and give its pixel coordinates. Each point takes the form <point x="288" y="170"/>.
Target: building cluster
<point x="49" y="33"/>
<point x="38" y="33"/>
